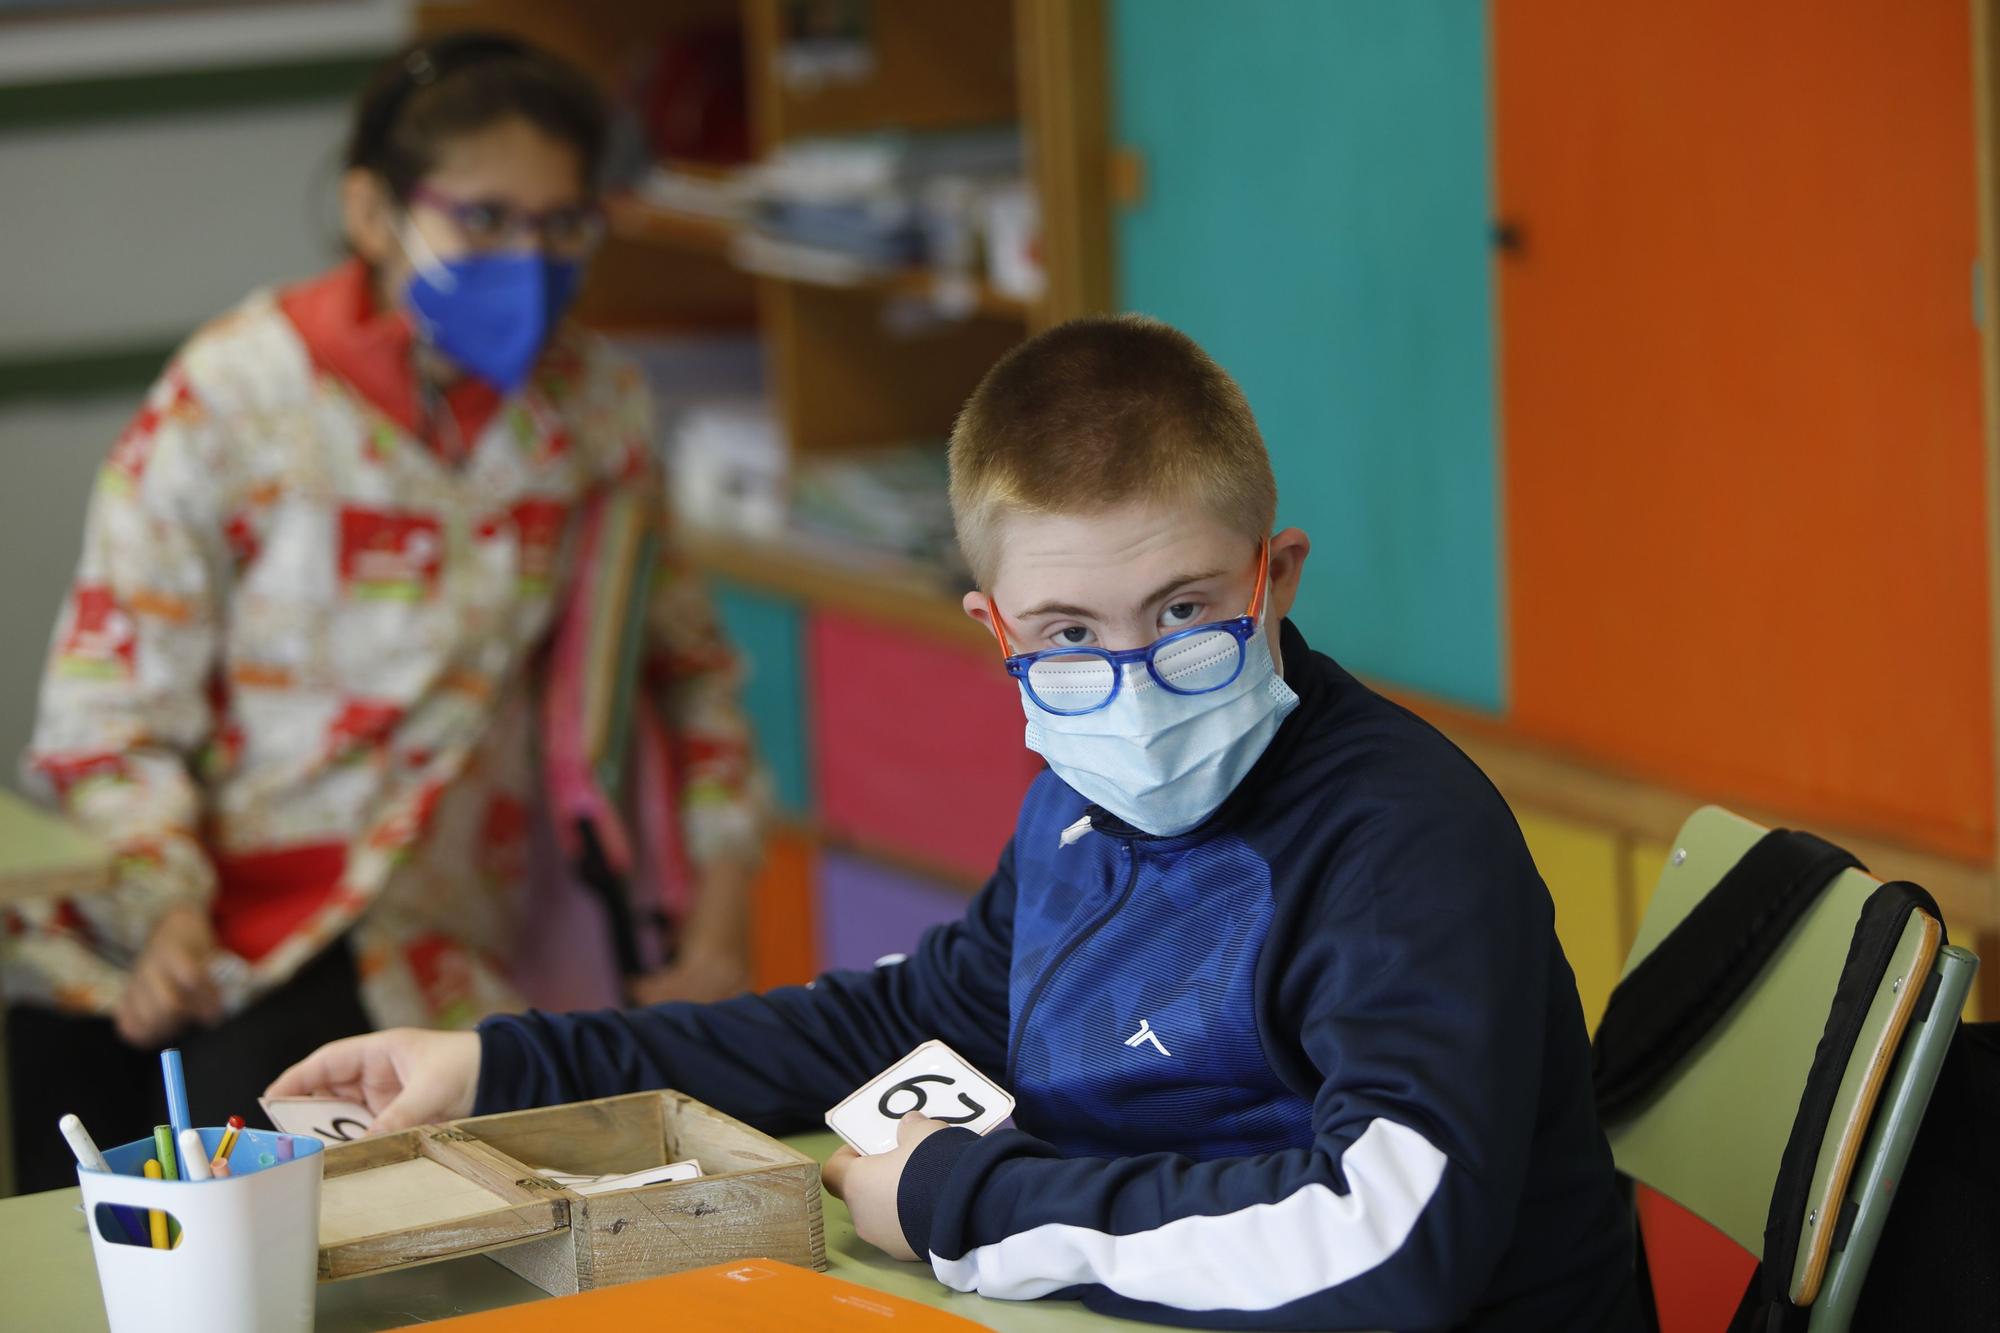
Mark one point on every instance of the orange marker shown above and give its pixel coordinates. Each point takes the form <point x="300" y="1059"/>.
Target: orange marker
<point x="227" y="1146"/>
<point x="219" y="1168"/>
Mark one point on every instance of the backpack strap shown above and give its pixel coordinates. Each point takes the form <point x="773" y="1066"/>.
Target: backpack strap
<point x="1878" y="930"/>
<point x="1667" y="1004"/>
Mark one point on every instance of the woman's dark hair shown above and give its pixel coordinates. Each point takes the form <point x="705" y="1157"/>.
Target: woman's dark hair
<point x="431" y="91"/>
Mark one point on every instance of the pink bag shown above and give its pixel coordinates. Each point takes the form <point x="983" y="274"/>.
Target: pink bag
<point x="607" y="765"/>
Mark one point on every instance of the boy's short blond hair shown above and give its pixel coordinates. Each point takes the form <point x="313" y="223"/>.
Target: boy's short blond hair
<point x="1098" y="412"/>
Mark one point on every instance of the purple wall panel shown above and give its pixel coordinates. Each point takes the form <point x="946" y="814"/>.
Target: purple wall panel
<point x="867" y="910"/>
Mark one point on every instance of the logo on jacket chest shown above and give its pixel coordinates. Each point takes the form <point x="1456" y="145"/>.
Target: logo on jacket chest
<point x="1145" y="1036"/>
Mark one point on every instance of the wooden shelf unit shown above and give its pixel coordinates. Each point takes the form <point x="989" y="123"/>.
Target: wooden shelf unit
<point x="907" y="598"/>
<point x="937" y="66"/>
<point x="641" y="223"/>
<point x="841" y="376"/>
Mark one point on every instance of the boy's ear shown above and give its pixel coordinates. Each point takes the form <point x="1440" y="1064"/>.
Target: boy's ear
<point x="1289" y="550"/>
<point x="979" y="609"/>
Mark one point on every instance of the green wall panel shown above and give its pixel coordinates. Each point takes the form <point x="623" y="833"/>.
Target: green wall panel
<point x="767" y="631"/>
<point x="1317" y="209"/>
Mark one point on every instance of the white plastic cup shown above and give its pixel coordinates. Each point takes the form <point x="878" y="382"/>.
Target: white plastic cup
<point x="248" y="1257"/>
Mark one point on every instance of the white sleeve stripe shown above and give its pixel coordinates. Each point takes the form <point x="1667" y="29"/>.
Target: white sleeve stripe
<point x="1256" y="1258"/>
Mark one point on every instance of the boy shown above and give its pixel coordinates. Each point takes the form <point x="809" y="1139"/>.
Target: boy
<point x="1266" y="963"/>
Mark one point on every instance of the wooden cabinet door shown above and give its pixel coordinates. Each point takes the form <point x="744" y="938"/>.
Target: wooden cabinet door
<point x="1741" y="402"/>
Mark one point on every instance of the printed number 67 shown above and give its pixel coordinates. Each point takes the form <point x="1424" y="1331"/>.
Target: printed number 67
<point x="973" y="1110"/>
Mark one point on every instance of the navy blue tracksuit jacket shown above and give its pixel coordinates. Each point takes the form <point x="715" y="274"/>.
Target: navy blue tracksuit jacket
<point x="1318" y="1063"/>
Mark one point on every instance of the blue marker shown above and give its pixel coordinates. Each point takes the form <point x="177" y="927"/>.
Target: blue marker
<point x="177" y="1093"/>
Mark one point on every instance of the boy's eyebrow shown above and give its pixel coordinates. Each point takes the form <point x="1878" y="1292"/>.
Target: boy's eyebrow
<point x="1082" y="613"/>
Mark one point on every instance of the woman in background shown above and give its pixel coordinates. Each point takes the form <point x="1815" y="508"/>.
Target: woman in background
<point x="296" y="681"/>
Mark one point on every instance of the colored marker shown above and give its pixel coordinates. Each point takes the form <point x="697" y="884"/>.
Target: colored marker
<point x="90" y="1159"/>
<point x="155" y="1219"/>
<point x="220" y="1168"/>
<point x="133" y="1225"/>
<point x="228" y="1144"/>
<point x="163" y="1149"/>
<point x="284" y="1147"/>
<point x="82" y="1145"/>
<point x="194" y="1158"/>
<point x="177" y="1092"/>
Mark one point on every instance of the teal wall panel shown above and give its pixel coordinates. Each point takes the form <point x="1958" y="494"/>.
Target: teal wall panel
<point x="1316" y="213"/>
<point x="769" y="633"/>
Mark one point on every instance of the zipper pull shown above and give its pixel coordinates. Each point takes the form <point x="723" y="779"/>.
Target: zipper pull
<point x="1075" y="832"/>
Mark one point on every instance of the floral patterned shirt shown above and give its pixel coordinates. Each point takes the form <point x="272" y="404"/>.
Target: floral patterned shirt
<point x="295" y="678"/>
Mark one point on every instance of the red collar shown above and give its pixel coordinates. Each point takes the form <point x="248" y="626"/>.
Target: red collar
<point x="372" y="350"/>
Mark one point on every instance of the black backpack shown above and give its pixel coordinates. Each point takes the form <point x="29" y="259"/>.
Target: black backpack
<point x="1937" y="1266"/>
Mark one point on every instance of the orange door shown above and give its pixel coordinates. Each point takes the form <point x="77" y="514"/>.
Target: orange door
<point x="1741" y="403"/>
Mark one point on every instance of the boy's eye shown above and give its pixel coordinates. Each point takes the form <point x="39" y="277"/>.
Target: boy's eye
<point x="1180" y="614"/>
<point x="1070" y="636"/>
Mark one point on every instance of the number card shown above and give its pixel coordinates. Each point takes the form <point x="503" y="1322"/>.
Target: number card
<point x="322" y="1117"/>
<point x="933" y="1079"/>
<point x="578" y="1183"/>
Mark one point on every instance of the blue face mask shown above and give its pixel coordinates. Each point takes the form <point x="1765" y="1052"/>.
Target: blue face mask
<point x="1161" y="761"/>
<point x="491" y="313"/>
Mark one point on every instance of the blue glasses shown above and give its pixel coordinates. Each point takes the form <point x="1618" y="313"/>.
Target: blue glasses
<point x="1198" y="660"/>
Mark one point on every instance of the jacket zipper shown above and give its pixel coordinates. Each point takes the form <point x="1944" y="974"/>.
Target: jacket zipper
<point x="1074" y="943"/>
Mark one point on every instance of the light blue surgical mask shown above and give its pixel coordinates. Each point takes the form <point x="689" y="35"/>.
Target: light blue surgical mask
<point x="1159" y="760"/>
<point x="490" y="313"/>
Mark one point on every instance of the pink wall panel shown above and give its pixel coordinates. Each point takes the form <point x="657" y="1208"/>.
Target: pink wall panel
<point x="916" y="745"/>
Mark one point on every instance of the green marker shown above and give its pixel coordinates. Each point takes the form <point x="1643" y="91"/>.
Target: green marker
<point x="163" y="1148"/>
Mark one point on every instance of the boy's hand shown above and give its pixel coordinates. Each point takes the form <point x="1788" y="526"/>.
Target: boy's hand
<point x="170" y="987"/>
<point x="405" y="1076"/>
<point x="867" y="1185"/>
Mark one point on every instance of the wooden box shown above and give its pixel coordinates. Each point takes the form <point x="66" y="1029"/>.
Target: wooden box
<point x="468" y="1187"/>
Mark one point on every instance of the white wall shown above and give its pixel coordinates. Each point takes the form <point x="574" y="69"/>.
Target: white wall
<point x="54" y="43"/>
<point x="124" y="234"/>
<point x="48" y="456"/>
<point x="128" y="232"/>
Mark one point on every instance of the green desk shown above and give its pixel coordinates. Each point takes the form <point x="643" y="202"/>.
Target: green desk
<point x="50" y="1282"/>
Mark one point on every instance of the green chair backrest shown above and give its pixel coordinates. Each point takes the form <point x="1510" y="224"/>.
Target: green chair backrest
<point x="1712" y="1137"/>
